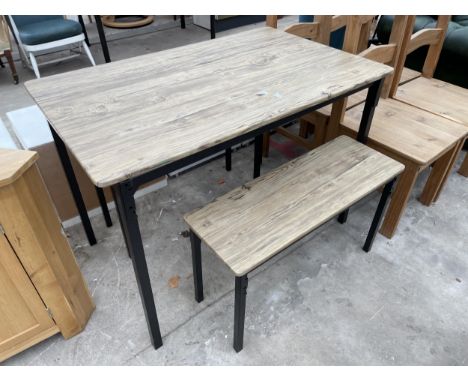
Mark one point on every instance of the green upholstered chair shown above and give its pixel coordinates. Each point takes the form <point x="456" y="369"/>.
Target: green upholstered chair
<point x="41" y="34"/>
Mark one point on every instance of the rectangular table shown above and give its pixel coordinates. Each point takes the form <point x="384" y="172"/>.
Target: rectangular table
<point x="134" y="120"/>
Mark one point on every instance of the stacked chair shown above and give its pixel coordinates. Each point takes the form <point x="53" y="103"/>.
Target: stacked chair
<point x="415" y="136"/>
<point x="425" y="92"/>
<point x="42" y="34"/>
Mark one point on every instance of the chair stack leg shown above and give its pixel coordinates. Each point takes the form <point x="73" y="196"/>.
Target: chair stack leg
<point x="400" y="198"/>
<point x="12" y="66"/>
<point x="439" y="175"/>
<point x="464" y="167"/>
<point x="239" y="312"/>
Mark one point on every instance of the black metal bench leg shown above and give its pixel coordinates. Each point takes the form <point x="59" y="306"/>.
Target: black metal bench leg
<point x="258" y="155"/>
<point x="228" y="158"/>
<point x="378" y="215"/>
<point x="103" y="203"/>
<point x="343" y="217"/>
<point x="182" y="22"/>
<point x="197" y="266"/>
<point x="239" y="312"/>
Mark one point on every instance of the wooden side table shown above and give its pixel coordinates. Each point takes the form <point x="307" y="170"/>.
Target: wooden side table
<point x="42" y="291"/>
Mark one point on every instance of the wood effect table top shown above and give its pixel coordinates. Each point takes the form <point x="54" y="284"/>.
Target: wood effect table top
<point x="128" y="117"/>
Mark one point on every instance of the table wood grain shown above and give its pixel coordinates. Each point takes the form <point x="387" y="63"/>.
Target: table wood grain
<point x="252" y="223"/>
<point x="128" y="117"/>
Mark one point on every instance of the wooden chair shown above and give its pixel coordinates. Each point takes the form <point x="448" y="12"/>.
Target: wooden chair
<point x="425" y="92"/>
<point x="318" y="31"/>
<point x="414" y="137"/>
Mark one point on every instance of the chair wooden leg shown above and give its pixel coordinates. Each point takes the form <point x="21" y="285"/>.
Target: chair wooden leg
<point x="9" y="58"/>
<point x="303" y="128"/>
<point x="439" y="174"/>
<point x="266" y="144"/>
<point x="464" y="167"/>
<point x="399" y="200"/>
<point x="320" y="131"/>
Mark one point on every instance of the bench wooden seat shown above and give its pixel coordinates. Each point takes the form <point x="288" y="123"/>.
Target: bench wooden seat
<point x="256" y="221"/>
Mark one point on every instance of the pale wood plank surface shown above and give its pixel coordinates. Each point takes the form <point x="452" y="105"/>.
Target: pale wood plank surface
<point x="128" y="117"/>
<point x="436" y="96"/>
<point x="13" y="163"/>
<point x="252" y="223"/>
<point x="353" y="100"/>
<point x="414" y="134"/>
<point x="408" y="75"/>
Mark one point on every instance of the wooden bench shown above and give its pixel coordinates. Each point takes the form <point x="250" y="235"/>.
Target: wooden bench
<point x="256" y="221"/>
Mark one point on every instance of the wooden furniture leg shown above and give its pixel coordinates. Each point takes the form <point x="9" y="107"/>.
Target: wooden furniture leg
<point x="9" y="58"/>
<point x="439" y="174"/>
<point x="399" y="200"/>
<point x="319" y="131"/>
<point x="464" y="167"/>
<point x="303" y="128"/>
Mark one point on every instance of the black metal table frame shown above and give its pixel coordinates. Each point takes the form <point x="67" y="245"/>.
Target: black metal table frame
<point x="124" y="191"/>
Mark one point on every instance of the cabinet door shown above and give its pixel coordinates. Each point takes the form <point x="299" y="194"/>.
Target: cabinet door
<point x="24" y="320"/>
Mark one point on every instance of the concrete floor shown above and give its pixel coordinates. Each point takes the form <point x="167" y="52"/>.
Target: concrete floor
<point x="322" y="302"/>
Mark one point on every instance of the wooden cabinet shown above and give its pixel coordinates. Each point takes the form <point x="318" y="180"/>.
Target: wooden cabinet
<point x="42" y="291"/>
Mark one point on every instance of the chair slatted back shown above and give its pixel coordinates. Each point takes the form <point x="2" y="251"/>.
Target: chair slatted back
<point x="319" y="30"/>
<point x="432" y="37"/>
<point x="357" y="30"/>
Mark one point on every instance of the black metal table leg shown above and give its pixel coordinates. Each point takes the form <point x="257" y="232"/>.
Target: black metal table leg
<point x="83" y="27"/>
<point x="182" y="22"/>
<point x="239" y="311"/>
<point x="125" y="204"/>
<point x="74" y="187"/>
<point x="228" y="158"/>
<point x="343" y="217"/>
<point x="258" y="146"/>
<point x="212" y="27"/>
<point x="197" y="266"/>
<point x="104" y="208"/>
<point x="378" y="215"/>
<point x="372" y="99"/>
<point x="102" y="38"/>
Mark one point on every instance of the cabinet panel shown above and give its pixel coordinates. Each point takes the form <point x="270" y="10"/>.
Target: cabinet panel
<point x="24" y="320"/>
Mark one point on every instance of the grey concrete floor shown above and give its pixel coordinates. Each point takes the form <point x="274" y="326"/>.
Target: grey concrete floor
<point x="322" y="302"/>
